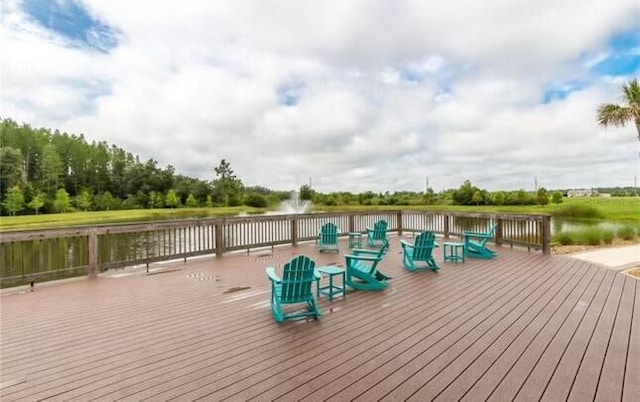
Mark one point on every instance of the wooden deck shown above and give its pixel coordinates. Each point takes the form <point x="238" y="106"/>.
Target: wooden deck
<point x="522" y="327"/>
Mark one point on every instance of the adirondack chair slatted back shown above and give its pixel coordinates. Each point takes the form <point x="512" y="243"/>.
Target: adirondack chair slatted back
<point x="423" y="246"/>
<point x="384" y="248"/>
<point x="297" y="279"/>
<point x="380" y="230"/>
<point x="475" y="243"/>
<point x="490" y="234"/>
<point x="329" y="233"/>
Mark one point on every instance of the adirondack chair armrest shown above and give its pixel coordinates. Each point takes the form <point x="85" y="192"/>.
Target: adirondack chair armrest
<point x="316" y="274"/>
<point x="362" y="257"/>
<point x="478" y="234"/>
<point x="363" y="251"/>
<point x="406" y="244"/>
<point x="271" y="273"/>
<point x="338" y="231"/>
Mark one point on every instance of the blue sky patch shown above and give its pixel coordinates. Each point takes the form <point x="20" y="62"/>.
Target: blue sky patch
<point x="623" y="56"/>
<point x="290" y="92"/>
<point x="561" y="91"/>
<point x="71" y="20"/>
<point x="618" y="65"/>
<point x="623" y="41"/>
<point x="620" y="57"/>
<point x="411" y="76"/>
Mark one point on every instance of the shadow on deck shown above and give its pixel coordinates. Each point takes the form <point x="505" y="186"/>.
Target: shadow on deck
<point x="524" y="326"/>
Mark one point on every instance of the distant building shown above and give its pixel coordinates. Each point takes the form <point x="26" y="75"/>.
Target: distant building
<point x="582" y="193"/>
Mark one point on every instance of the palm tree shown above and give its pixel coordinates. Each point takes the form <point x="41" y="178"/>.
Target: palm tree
<point x="616" y="115"/>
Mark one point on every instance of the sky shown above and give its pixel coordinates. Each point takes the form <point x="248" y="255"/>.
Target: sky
<point x="359" y="95"/>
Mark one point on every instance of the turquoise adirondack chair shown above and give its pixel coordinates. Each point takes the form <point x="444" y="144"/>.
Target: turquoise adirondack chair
<point x="419" y="255"/>
<point x="362" y="269"/>
<point x="377" y="235"/>
<point x="475" y="243"/>
<point x="295" y="287"/>
<point x="328" y="238"/>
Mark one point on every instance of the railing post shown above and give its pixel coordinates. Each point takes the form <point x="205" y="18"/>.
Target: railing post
<point x="399" y="223"/>
<point x="446" y="225"/>
<point x="93" y="252"/>
<point x="498" y="238"/>
<point x="294" y="232"/>
<point x="546" y="234"/>
<point x="219" y="228"/>
<point x="352" y="223"/>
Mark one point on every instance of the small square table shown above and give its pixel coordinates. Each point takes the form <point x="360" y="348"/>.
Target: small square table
<point x="355" y="240"/>
<point x="331" y="289"/>
<point x="453" y="252"/>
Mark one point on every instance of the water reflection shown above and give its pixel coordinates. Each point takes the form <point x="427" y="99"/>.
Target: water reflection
<point x="573" y="225"/>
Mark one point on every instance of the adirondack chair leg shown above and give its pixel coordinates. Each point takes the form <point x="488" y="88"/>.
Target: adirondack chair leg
<point x="480" y="254"/>
<point x="276" y="311"/>
<point x="474" y="250"/>
<point x="313" y="308"/>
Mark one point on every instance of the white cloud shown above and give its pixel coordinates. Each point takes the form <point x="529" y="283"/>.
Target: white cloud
<point x="389" y="92"/>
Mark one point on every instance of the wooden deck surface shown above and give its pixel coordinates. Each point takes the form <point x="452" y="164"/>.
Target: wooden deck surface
<point x="521" y="327"/>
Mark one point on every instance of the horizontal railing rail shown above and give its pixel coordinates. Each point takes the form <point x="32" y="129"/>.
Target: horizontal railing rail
<point x="31" y="255"/>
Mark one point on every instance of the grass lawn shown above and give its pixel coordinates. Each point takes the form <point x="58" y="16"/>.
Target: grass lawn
<point x="107" y="217"/>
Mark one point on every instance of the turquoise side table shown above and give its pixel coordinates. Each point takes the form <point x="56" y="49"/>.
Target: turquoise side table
<point x="355" y="240"/>
<point x="453" y="252"/>
<point x="332" y="289"/>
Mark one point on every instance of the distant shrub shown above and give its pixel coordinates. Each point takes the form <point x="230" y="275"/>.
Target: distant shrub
<point x="592" y="237"/>
<point x="607" y="236"/>
<point x="255" y="200"/>
<point x="564" y="238"/>
<point x="627" y="232"/>
<point x="556" y="197"/>
<point x="234" y="200"/>
<point x="578" y="211"/>
<point x="191" y="201"/>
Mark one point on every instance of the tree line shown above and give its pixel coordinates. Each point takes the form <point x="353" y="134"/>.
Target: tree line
<point x="44" y="171"/>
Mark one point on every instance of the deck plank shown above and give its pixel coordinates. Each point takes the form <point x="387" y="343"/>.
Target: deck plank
<point x="563" y="376"/>
<point x="613" y="369"/>
<point x="584" y="387"/>
<point x="631" y="388"/>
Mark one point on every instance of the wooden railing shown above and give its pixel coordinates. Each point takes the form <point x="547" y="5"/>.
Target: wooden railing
<point x="32" y="255"/>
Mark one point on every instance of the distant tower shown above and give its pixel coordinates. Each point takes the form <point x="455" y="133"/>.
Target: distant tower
<point x="535" y="183"/>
